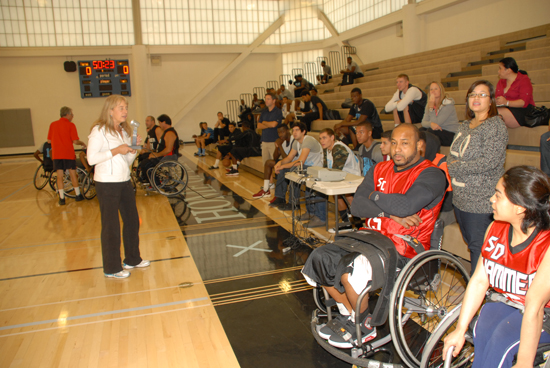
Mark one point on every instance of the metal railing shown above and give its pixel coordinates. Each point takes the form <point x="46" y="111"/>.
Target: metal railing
<point x="272" y="84"/>
<point x="232" y="107"/>
<point x="335" y="62"/>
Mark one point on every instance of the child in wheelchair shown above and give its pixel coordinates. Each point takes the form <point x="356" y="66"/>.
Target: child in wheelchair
<point x="514" y="263"/>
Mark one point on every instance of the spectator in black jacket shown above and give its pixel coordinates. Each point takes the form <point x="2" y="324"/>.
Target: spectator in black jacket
<point x="221" y="128"/>
<point x="247" y="144"/>
<point x="317" y="107"/>
<point x="225" y="146"/>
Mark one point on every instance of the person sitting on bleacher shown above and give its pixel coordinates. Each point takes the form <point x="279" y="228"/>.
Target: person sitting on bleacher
<point x="385" y="145"/>
<point x="351" y="72"/>
<point x="306" y="151"/>
<point x="327" y="73"/>
<point x="221" y="128"/>
<point x="408" y="103"/>
<point x="247" y="144"/>
<point x="514" y="93"/>
<point x="362" y="110"/>
<point x="282" y="149"/>
<point x="398" y="197"/>
<point x="287" y="109"/>
<point x="336" y="155"/>
<point x="225" y="146"/>
<point x="204" y="139"/>
<point x="440" y="115"/>
<point x="317" y="109"/>
<point x="283" y="92"/>
<point x="369" y="149"/>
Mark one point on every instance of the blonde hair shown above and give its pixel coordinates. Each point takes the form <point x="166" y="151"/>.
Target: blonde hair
<point x="106" y="121"/>
<point x="442" y="94"/>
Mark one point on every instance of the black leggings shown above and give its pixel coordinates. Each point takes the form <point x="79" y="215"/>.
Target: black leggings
<point x="114" y="198"/>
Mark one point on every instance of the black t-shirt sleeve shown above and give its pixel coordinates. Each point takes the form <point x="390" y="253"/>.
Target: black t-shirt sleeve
<point x="362" y="206"/>
<point x="426" y="192"/>
<point x="367" y="108"/>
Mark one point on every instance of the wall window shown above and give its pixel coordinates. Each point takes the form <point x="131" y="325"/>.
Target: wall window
<point x="38" y="23"/>
<point x="296" y="60"/>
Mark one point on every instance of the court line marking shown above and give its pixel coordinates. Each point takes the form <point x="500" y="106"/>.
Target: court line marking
<point x="107" y="320"/>
<point x="17" y="191"/>
<point x="82" y="269"/>
<point x="78" y="240"/>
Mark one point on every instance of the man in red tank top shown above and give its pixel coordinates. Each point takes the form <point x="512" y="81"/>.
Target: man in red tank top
<point x="397" y="198"/>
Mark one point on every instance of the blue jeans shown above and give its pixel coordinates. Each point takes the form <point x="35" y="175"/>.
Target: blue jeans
<point x="318" y="209"/>
<point x="473" y="227"/>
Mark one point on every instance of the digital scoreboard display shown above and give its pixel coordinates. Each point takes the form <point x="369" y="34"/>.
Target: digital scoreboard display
<point x="102" y="78"/>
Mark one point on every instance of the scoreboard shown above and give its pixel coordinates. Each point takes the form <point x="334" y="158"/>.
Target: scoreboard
<point x="102" y="78"/>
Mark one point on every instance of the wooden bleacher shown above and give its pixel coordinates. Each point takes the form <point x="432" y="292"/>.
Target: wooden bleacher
<point x="458" y="66"/>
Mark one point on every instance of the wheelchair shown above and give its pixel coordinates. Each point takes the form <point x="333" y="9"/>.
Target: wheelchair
<point x="169" y="177"/>
<point x="67" y="183"/>
<point x="411" y="301"/>
<point x="42" y="176"/>
<point x="433" y="351"/>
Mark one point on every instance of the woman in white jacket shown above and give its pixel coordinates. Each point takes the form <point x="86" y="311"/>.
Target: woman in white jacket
<point x="109" y="151"/>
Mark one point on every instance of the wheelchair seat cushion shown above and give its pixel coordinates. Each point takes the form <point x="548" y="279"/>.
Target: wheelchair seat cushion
<point x="322" y="265"/>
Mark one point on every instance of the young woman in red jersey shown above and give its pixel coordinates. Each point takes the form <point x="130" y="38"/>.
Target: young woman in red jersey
<point x="515" y="263"/>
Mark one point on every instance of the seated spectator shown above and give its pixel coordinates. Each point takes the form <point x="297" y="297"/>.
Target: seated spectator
<point x="169" y="145"/>
<point x="369" y="149"/>
<point x="398" y="197"/>
<point x="336" y="155"/>
<point x="440" y="115"/>
<point x="204" y="139"/>
<point x="362" y="110"/>
<point x="255" y="101"/>
<point x="283" y="92"/>
<point x="327" y="73"/>
<point x="221" y="128"/>
<point x="152" y="140"/>
<point x="351" y="72"/>
<point x="242" y="107"/>
<point x="291" y="88"/>
<point x="385" y="144"/>
<point x="308" y="152"/>
<point x="300" y="85"/>
<point x="317" y="108"/>
<point x="408" y="103"/>
<point x="225" y="146"/>
<point x="545" y="153"/>
<point x="247" y="144"/>
<point x="282" y="149"/>
<point x="288" y="109"/>
<point x="514" y="93"/>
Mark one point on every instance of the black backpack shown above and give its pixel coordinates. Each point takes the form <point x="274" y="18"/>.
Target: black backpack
<point x="47" y="156"/>
<point x="333" y="115"/>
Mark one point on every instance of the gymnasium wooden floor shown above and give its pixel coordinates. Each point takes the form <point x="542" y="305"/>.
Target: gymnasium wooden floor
<point x="219" y="292"/>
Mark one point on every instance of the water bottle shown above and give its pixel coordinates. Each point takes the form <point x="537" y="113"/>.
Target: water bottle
<point x="135" y="124"/>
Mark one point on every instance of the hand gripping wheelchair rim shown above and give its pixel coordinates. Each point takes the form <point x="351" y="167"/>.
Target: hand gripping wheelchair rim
<point x="361" y="349"/>
<point x="167" y="161"/>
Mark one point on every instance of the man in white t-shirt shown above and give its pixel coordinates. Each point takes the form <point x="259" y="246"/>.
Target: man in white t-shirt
<point x="408" y="102"/>
<point x="309" y="153"/>
<point x="351" y="72"/>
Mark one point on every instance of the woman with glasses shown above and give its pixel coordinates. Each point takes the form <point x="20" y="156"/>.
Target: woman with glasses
<point x="514" y="93"/>
<point x="516" y="244"/>
<point x="475" y="163"/>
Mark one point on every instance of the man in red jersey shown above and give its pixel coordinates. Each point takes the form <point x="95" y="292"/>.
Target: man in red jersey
<point x="397" y="198"/>
<point x="62" y="135"/>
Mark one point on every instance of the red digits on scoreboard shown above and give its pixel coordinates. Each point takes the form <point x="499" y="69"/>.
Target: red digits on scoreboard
<point x="111" y="64"/>
<point x="96" y="64"/>
<point x="125" y="69"/>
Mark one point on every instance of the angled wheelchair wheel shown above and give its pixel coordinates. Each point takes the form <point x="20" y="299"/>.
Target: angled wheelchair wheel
<point x="67" y="183"/>
<point x="169" y="178"/>
<point x="41" y="177"/>
<point x="432" y="356"/>
<point x="88" y="186"/>
<point x="319" y="298"/>
<point x="428" y="287"/>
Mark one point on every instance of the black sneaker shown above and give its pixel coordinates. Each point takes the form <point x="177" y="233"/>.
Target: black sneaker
<point x="61" y="201"/>
<point x="287" y="207"/>
<point x="79" y="198"/>
<point x="348" y="334"/>
<point x="196" y="154"/>
<point x="233" y="172"/>
<point x="213" y="167"/>
<point x="276" y="202"/>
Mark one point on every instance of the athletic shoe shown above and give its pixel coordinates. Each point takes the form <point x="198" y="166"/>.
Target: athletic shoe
<point x="119" y="275"/>
<point x="342" y="229"/>
<point x="261" y="194"/>
<point x="202" y="154"/>
<point x="325" y="332"/>
<point x="276" y="201"/>
<point x="271" y="185"/>
<point x="287" y="207"/>
<point x="305" y="217"/>
<point x="196" y="154"/>
<point x="61" y="201"/>
<point x="143" y="263"/>
<point x="79" y="198"/>
<point x="229" y="169"/>
<point x="213" y="167"/>
<point x="233" y="172"/>
<point x="348" y="335"/>
<point x="315" y="222"/>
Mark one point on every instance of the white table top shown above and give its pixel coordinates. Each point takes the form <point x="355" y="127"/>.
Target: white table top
<point x="347" y="186"/>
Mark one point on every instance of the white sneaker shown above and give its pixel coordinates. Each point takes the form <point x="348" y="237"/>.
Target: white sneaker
<point x="271" y="185"/>
<point x="119" y="275"/>
<point x="143" y="263"/>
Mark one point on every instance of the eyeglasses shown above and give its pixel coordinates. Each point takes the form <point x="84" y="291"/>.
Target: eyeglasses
<point x="480" y="95"/>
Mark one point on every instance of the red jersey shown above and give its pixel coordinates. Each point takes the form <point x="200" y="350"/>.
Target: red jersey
<point x="511" y="270"/>
<point x="387" y="180"/>
<point x="62" y="133"/>
<point x="441" y="162"/>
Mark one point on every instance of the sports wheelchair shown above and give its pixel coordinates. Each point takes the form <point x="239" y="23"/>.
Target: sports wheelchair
<point x="433" y="351"/>
<point x="67" y="183"/>
<point x="168" y="177"/>
<point x="412" y="300"/>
